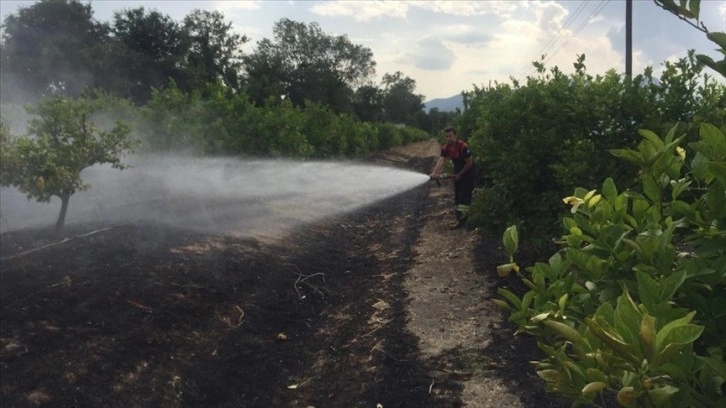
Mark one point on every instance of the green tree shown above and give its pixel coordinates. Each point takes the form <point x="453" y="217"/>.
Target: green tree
<point x="368" y="103"/>
<point x="151" y="50"/>
<point x="51" y="46"/>
<point x="400" y="102"/>
<point x="305" y="64"/>
<point x="63" y="140"/>
<point x="215" y="51"/>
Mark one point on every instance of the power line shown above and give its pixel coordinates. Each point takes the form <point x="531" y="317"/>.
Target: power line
<point x="566" y="24"/>
<point x="595" y="12"/>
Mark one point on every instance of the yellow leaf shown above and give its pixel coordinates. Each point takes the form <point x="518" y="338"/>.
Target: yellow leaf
<point x="504" y="270"/>
<point x="593" y="387"/>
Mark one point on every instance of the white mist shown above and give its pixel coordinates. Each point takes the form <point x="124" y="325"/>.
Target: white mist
<point x="224" y="195"/>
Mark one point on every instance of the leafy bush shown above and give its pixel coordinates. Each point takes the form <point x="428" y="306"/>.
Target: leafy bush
<point x="537" y="141"/>
<point x="633" y="307"/>
<point x="218" y="121"/>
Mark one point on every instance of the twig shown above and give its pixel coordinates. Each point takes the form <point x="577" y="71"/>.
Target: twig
<point x="239" y="319"/>
<point x="431" y="387"/>
<point x="302" y="278"/>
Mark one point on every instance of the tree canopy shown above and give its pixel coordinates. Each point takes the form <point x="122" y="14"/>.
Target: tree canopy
<point x="63" y="139"/>
<point x="51" y="46"/>
<point x="305" y="64"/>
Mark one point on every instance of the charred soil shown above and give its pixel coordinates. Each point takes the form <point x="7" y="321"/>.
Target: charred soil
<point x="340" y="313"/>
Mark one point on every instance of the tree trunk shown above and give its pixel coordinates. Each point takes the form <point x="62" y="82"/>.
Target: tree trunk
<point x="65" y="198"/>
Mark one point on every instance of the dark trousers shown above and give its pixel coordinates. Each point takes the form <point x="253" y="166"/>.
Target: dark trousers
<point x="463" y="191"/>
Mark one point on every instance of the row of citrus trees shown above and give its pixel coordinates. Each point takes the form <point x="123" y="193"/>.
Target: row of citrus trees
<point x="631" y="310"/>
<point x="219" y="122"/>
<point x="535" y="142"/>
<point x="633" y="307"/>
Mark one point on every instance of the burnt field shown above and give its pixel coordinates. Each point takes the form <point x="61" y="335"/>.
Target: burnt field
<point x="146" y="315"/>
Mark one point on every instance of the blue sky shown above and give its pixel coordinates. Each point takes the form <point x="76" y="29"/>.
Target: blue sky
<point x="448" y="46"/>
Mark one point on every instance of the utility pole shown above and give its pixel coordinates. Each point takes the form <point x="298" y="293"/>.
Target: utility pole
<point x="629" y="38"/>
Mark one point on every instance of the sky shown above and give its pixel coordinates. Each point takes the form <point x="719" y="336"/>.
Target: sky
<point x="451" y="46"/>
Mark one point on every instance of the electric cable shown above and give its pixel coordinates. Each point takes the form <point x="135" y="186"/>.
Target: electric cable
<point x="565" y="25"/>
<point x="595" y="12"/>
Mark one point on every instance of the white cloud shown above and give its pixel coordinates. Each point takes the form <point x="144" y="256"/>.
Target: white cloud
<point x="431" y="54"/>
<point x="549" y="16"/>
<point x="469" y="8"/>
<point x="722" y="12"/>
<point x="361" y="10"/>
<point x="232" y="6"/>
<point x="370" y="10"/>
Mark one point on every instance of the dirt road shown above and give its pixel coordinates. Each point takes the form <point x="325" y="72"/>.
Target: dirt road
<point x="385" y="306"/>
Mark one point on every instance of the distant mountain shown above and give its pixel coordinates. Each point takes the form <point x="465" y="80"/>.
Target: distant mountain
<point x="445" y="104"/>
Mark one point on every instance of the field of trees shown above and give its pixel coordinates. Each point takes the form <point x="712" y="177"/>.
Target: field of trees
<point x="618" y="182"/>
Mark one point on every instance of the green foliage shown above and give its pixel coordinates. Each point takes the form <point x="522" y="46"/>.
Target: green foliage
<point x="400" y="103"/>
<point x="535" y="142"/>
<point x="217" y="121"/>
<point x="151" y="47"/>
<point x="57" y="47"/>
<point x="63" y="139"/>
<point x="689" y="11"/>
<point x="632" y="307"/>
<point x="51" y="46"/>
<point x="305" y="64"/>
<point x="214" y="52"/>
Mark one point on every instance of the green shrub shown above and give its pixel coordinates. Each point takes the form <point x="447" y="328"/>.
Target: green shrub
<point x="633" y="307"/>
<point x="534" y="142"/>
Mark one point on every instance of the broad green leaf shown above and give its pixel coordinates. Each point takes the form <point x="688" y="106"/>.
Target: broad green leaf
<point x="527" y="300"/>
<point x="671" y="284"/>
<point x="550" y="375"/>
<point x="718" y="170"/>
<point x="562" y="303"/>
<point x="661" y="395"/>
<point x="596" y="375"/>
<point x="652" y="138"/>
<point x="647" y="289"/>
<point x="627" y="318"/>
<point x="565" y="331"/>
<point x="511" y="241"/>
<point x="651" y="188"/>
<point x="569" y="223"/>
<point x="612" y="340"/>
<point x="718" y="38"/>
<point x="679" y="187"/>
<point x="683" y="335"/>
<point x="629" y="155"/>
<point x="685" y="12"/>
<point x="511" y="297"/>
<point x="647" y="334"/>
<point x="502" y="304"/>
<point x="540" y="317"/>
<point x="609" y="190"/>
<point x="665" y="330"/>
<point x="593" y="388"/>
<point x="695" y="7"/>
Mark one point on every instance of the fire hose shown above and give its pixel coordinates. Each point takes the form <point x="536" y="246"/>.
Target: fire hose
<point x="442" y="176"/>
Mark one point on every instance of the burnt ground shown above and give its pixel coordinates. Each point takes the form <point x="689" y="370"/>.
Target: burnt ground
<point x="383" y="306"/>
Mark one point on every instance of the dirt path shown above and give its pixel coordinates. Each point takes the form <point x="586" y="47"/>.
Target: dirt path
<point x="381" y="307"/>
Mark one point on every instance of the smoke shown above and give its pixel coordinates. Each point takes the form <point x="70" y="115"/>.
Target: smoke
<point x="221" y="195"/>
